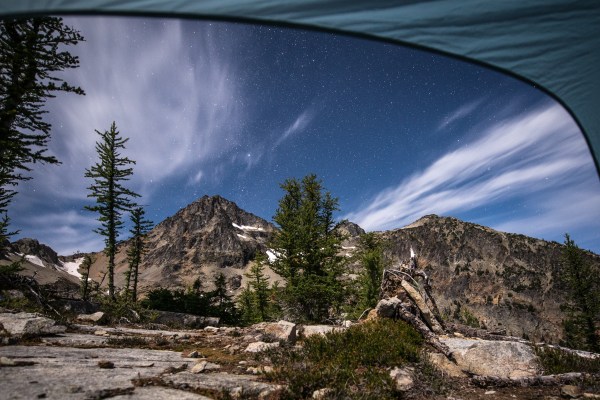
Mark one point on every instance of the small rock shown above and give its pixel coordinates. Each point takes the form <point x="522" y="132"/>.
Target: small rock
<point x="282" y="330"/>
<point x="321" y="393"/>
<point x="257" y="347"/>
<point x="106" y="364"/>
<point x="570" y="391"/>
<point x="97" y="317"/>
<point x="212" y="321"/>
<point x="194" y="354"/>
<point x="403" y="378"/>
<point x="236" y="392"/>
<point x="591" y="396"/>
<point x="490" y="392"/>
<point x="101" y="333"/>
<point x="310" y="330"/>
<point x="347" y="324"/>
<point x="260" y="370"/>
<point x="386" y="308"/>
<point x="204" y="366"/>
<point x="212" y="329"/>
<point x="7" y="361"/>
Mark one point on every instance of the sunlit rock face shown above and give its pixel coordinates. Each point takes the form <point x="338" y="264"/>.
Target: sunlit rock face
<point x="488" y="278"/>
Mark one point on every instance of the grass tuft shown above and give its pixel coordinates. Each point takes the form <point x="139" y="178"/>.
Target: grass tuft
<point x="352" y="364"/>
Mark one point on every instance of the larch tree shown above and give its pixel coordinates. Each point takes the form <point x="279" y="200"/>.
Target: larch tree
<point x="32" y="56"/>
<point x="371" y="258"/>
<point x="582" y="279"/>
<point x="141" y="227"/>
<point x="259" y="283"/>
<point x="307" y="248"/>
<point x="112" y="198"/>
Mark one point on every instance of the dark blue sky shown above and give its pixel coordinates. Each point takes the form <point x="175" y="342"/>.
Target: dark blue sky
<point x="234" y="109"/>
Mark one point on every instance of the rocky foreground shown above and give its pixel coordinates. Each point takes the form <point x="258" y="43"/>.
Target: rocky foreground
<point x="41" y="359"/>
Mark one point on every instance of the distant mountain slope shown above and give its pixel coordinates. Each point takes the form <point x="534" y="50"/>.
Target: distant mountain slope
<point x="208" y="236"/>
<point x="479" y="275"/>
<point x="499" y="279"/>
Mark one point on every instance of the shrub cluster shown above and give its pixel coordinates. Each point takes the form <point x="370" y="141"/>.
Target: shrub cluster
<point x="352" y="364"/>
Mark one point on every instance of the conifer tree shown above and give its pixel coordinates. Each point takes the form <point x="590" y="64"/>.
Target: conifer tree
<point x="246" y="305"/>
<point x="112" y="198"/>
<point x="307" y="247"/>
<point x="582" y="279"/>
<point x="141" y="226"/>
<point x="370" y="256"/>
<point x="221" y="302"/>
<point x="260" y="287"/>
<point x="32" y="53"/>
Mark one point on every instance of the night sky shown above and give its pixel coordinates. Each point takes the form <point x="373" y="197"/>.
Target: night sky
<point x="235" y="109"/>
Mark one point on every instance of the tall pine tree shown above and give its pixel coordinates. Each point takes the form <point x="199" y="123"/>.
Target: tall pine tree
<point x="307" y="249"/>
<point x="32" y="54"/>
<point x="141" y="226"/>
<point x="112" y="198"/>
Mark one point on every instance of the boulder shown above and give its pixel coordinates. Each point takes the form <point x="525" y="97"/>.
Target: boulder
<point x="310" y="330"/>
<point x="502" y="359"/>
<point x="282" y="330"/>
<point x="570" y="391"/>
<point x="386" y="308"/>
<point x="176" y="319"/>
<point x="204" y="366"/>
<point x="97" y="317"/>
<point x="446" y="366"/>
<point x="257" y="347"/>
<point x="403" y="378"/>
<point x="29" y="324"/>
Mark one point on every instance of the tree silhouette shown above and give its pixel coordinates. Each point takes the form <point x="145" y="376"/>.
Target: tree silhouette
<point x="112" y="198"/>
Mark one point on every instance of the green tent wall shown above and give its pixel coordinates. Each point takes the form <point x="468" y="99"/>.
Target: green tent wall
<point x="554" y="44"/>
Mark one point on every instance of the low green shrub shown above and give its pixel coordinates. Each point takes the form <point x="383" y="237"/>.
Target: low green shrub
<point x="557" y="361"/>
<point x="352" y="364"/>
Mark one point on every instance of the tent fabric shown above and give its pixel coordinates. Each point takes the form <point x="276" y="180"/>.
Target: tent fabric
<point x="553" y="44"/>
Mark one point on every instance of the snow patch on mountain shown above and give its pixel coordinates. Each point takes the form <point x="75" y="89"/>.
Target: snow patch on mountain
<point x="35" y="260"/>
<point x="72" y="267"/>
<point x="248" y="228"/>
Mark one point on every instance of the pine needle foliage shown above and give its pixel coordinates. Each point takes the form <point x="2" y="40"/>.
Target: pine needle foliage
<point x="135" y="252"/>
<point x="370" y="256"/>
<point x="112" y="198"/>
<point x="32" y="55"/>
<point x="307" y="248"/>
<point x="582" y="279"/>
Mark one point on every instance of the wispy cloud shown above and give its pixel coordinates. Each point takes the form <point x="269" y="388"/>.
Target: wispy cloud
<point x="178" y="106"/>
<point x="300" y="123"/>
<point x="537" y="152"/>
<point x="460" y="113"/>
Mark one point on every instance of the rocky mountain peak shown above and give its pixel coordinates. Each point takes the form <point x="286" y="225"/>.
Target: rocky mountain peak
<point x="350" y="229"/>
<point x="209" y="236"/>
<point x="34" y="248"/>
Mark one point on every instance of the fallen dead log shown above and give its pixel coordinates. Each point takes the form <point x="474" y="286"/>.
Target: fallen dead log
<point x="482" y="333"/>
<point x="429" y="336"/>
<point x="540" y="380"/>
